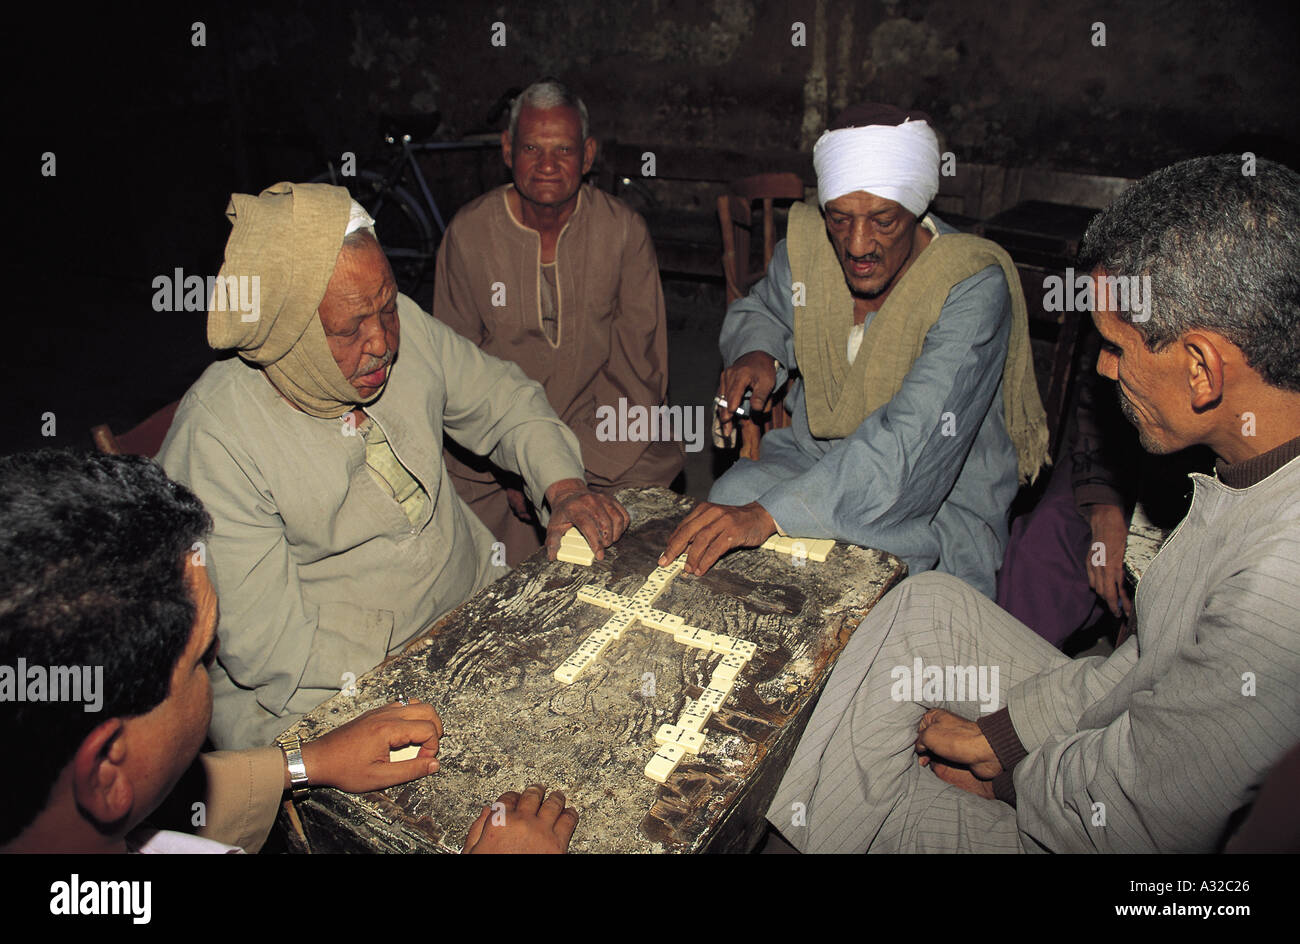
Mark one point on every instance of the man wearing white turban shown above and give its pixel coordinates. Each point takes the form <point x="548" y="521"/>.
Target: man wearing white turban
<point x="337" y="534"/>
<point x="914" y="410"/>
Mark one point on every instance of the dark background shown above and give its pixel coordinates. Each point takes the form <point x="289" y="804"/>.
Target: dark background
<point x="151" y="134"/>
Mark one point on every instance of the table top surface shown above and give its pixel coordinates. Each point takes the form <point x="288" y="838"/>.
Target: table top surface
<point x="488" y="669"/>
<point x="1144" y="542"/>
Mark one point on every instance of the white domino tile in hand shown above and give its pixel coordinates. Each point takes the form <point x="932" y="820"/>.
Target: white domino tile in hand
<point x="577" y="556"/>
<point x="573" y="538"/>
<point x="814" y="549"/>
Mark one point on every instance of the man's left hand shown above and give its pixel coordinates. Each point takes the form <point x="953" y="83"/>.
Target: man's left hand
<point x="528" y="823"/>
<point x="954" y="741"/>
<point x="598" y="518"/>
<point x="711" y="530"/>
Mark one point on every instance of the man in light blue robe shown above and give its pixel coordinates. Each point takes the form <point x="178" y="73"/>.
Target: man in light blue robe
<point x="927" y="468"/>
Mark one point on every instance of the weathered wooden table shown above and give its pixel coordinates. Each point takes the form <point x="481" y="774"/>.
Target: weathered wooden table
<point x="487" y="668"/>
<point x="1144" y="541"/>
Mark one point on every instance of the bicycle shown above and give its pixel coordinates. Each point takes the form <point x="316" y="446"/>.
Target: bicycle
<point x="409" y="227"/>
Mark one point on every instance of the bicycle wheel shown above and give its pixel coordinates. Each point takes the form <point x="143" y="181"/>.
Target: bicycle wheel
<point x="401" y="226"/>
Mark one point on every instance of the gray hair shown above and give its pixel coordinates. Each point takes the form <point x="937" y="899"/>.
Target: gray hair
<point x="1222" y="249"/>
<point x="548" y="93"/>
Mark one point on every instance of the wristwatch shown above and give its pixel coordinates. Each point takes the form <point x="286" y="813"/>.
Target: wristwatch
<point x="292" y="747"/>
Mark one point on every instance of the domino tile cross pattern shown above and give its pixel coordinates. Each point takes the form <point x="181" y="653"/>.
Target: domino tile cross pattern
<point x="675" y="740"/>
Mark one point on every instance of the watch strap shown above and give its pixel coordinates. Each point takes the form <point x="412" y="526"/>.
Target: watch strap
<point x="298" y="782"/>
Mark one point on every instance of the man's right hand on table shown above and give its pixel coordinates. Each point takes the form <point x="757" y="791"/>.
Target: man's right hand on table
<point x="755" y="372"/>
<point x="354" y="756"/>
<point x="600" y="519"/>
<point x="710" y="531"/>
<point x="530" y="822"/>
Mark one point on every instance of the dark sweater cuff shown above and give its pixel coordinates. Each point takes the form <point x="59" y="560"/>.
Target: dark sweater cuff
<point x="1094" y="493"/>
<point x="1001" y="735"/>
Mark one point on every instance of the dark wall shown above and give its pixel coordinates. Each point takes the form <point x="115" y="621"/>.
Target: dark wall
<point x="152" y="133"/>
<point x="1011" y="82"/>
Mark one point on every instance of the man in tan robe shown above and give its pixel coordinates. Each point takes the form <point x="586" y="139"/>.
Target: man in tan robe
<point x="318" y="452"/>
<point x="561" y="279"/>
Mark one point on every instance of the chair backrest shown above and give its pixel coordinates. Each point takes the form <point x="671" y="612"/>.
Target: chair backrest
<point x="735" y="216"/>
<point x="143" y="440"/>
<point x="1062" y="331"/>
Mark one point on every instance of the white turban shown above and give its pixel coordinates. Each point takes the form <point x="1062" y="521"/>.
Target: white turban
<point x="359" y="219"/>
<point x="897" y="162"/>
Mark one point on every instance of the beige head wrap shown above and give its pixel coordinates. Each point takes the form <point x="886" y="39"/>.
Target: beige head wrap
<point x="287" y="238"/>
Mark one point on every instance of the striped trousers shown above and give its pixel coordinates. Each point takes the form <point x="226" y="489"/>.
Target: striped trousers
<point x="855" y="784"/>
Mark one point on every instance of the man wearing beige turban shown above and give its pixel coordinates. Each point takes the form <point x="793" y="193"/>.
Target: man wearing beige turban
<point x="914" y="411"/>
<point x="318" y="451"/>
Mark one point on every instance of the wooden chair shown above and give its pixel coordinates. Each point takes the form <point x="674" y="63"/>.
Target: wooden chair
<point x="1061" y="332"/>
<point x="735" y="214"/>
<point x="739" y="231"/>
<point x="143" y="440"/>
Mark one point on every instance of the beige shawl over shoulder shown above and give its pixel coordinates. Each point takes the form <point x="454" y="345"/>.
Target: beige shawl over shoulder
<point x="840" y="395"/>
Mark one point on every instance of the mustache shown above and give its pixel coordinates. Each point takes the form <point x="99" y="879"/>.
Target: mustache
<point x="870" y="257"/>
<point x="1126" y="405"/>
<point x="377" y="365"/>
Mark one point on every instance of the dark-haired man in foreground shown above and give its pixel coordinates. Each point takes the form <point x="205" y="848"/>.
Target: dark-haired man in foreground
<point x="102" y="583"/>
<point x="1156" y="747"/>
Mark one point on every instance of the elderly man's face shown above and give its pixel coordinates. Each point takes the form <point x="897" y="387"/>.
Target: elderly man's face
<point x="1151" y="386"/>
<point x="548" y="156"/>
<point x="873" y="238"/>
<point x="359" y="314"/>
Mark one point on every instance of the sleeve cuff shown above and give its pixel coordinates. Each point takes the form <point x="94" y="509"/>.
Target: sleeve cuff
<point x="1001" y="735"/>
<point x="551" y="466"/>
<point x="244" y="792"/>
<point x="1096" y="494"/>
